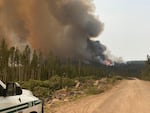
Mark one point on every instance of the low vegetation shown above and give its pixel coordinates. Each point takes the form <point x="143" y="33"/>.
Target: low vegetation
<point x="46" y="88"/>
<point x="66" y="88"/>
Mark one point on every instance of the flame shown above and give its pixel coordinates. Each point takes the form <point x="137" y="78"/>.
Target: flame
<point x="108" y="63"/>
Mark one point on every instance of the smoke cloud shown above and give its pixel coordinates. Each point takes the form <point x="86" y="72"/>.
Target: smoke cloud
<point x="64" y="27"/>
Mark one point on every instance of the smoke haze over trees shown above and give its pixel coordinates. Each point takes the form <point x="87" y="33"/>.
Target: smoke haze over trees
<point x="16" y="65"/>
<point x="64" y="27"/>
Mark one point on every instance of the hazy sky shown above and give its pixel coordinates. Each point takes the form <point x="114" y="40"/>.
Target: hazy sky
<point x="127" y="27"/>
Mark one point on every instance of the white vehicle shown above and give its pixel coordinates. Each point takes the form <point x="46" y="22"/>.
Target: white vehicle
<point x="15" y="100"/>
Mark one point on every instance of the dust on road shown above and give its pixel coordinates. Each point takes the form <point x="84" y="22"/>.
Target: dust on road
<point x="130" y="96"/>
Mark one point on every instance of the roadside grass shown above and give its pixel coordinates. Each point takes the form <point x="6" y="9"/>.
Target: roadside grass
<point x="46" y="89"/>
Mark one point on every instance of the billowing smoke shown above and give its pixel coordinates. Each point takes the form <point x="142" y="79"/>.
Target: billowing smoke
<point x="63" y="27"/>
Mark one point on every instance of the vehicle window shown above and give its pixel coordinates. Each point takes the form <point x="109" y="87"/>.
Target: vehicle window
<point x="1" y="90"/>
<point x="11" y="90"/>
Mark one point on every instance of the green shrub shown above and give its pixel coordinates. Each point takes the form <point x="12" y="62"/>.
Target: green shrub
<point x="41" y="92"/>
<point x="30" y="84"/>
<point x="85" y="79"/>
<point x="55" y="83"/>
<point x="38" y="88"/>
<point x="112" y="80"/>
<point x="68" y="82"/>
<point x="93" y="90"/>
<point x="46" y="88"/>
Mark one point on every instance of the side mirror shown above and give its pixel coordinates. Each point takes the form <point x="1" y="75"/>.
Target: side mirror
<point x="18" y="89"/>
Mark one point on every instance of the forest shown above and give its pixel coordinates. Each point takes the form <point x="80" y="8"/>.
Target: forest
<point x="28" y="64"/>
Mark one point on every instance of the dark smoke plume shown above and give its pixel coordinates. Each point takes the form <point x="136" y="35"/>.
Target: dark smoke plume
<point x="64" y="27"/>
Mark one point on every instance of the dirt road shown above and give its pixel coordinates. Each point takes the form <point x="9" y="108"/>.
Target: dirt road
<point x="130" y="96"/>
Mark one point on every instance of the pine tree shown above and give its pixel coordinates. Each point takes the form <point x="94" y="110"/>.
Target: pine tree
<point x="146" y="71"/>
<point x="4" y="57"/>
<point x="17" y="61"/>
<point x="25" y="61"/>
<point x="34" y="65"/>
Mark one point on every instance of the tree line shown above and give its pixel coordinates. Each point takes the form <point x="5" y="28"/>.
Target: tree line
<point x="26" y="64"/>
<point x="16" y="65"/>
<point x="146" y="71"/>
